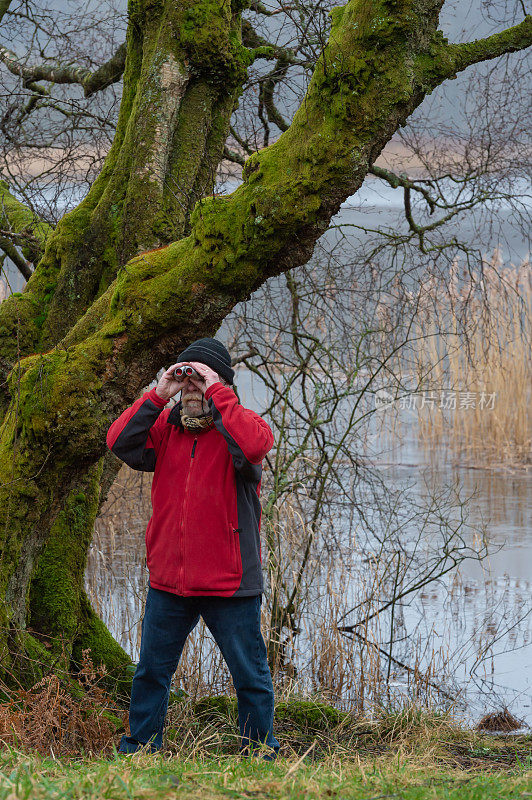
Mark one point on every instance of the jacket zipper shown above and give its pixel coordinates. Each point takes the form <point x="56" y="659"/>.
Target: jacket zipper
<point x="182" y="548"/>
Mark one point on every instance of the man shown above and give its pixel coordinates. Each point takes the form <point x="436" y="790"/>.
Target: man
<point x="202" y="541"/>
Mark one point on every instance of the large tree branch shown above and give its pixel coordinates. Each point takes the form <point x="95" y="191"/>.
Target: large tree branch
<point x="509" y="41"/>
<point x="11" y="252"/>
<point x="20" y="226"/>
<point x="173" y="122"/>
<point x="91" y="82"/>
<point x="290" y="190"/>
<point x="362" y="90"/>
<point x="446" y="60"/>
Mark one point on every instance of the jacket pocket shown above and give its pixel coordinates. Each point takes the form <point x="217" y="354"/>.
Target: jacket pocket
<point x="235" y="548"/>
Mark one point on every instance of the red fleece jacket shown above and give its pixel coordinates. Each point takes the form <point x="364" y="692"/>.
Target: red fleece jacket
<point x="204" y="534"/>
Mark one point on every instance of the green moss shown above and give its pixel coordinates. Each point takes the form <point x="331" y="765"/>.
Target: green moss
<point x="210" y="36"/>
<point x="45" y="415"/>
<point x="212" y="708"/>
<point x="57" y="582"/>
<point x="336" y="15"/>
<point x="27" y="662"/>
<point x="308" y="716"/>
<point x="435" y="64"/>
<point x="114" y="719"/>
<point x="84" y="251"/>
<point x="201" y="133"/>
<point x="50" y="403"/>
<point x="305" y="715"/>
<point x="155" y="211"/>
<point x="19" y="329"/>
<point x="59" y="612"/>
<point x="93" y="635"/>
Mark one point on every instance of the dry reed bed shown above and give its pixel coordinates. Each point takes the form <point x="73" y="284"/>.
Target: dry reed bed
<point x="474" y="352"/>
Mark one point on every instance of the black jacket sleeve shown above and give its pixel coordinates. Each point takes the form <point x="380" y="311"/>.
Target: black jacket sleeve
<point x="135" y="436"/>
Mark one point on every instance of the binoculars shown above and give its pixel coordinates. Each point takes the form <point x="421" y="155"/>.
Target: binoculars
<point x="187" y="371"/>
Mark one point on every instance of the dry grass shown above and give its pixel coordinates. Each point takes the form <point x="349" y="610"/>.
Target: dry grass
<point x="47" y="720"/>
<point x="501" y="721"/>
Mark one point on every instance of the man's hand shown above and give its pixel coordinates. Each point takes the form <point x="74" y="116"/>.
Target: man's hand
<point x="168" y="385"/>
<point x="209" y="376"/>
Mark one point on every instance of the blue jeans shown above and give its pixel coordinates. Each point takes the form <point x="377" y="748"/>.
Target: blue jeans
<point x="235" y="624"/>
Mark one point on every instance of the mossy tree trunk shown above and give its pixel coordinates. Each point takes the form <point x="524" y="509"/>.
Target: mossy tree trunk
<point x="173" y="123"/>
<point x="148" y="262"/>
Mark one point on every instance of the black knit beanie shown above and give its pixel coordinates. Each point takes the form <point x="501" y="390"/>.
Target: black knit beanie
<point x="210" y="352"/>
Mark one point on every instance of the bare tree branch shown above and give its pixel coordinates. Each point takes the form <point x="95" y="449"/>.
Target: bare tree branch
<point x="267" y="89"/>
<point x="402" y="180"/>
<point x="243" y="144"/>
<point x="260" y="8"/>
<point x="231" y="155"/>
<point x="22" y="227"/>
<point x="104" y="76"/>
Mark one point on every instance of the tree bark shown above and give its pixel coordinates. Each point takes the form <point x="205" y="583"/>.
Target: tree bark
<point x="99" y="316"/>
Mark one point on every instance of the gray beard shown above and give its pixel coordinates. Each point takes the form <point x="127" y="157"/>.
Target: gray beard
<point x="194" y="410"/>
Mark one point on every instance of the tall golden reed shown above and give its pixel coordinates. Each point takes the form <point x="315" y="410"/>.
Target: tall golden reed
<point x="476" y="347"/>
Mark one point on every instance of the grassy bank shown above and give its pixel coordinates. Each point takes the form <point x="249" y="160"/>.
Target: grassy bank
<point x="470" y="774"/>
<point x="325" y="754"/>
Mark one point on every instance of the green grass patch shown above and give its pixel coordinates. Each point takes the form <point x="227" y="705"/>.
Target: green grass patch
<point x="324" y="754"/>
<point x="163" y="776"/>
